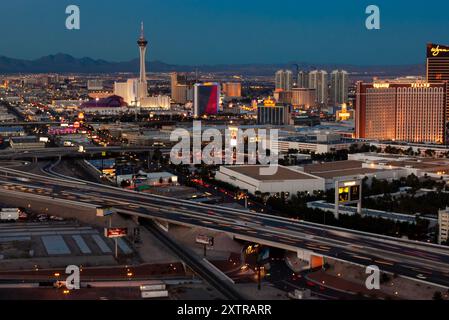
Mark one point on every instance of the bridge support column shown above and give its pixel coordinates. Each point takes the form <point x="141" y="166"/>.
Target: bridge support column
<point x="311" y="259"/>
<point x="136" y="220"/>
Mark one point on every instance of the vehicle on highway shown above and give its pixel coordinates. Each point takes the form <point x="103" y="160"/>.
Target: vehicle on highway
<point x="421" y="276"/>
<point x="9" y="214"/>
<point x="42" y="217"/>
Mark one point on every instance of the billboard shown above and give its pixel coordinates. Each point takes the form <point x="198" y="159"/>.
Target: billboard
<point x="343" y="194"/>
<point x="115" y="232"/>
<point x="349" y="192"/>
<point x="206" y="240"/>
<point x="354" y="193"/>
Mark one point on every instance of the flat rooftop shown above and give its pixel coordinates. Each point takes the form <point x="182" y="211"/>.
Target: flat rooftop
<point x="335" y="169"/>
<point x="423" y="164"/>
<point x="283" y="173"/>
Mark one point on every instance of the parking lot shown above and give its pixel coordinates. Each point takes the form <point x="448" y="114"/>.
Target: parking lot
<point x="52" y="243"/>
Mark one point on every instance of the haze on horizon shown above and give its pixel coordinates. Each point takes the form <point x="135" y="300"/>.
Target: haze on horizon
<point x="202" y="32"/>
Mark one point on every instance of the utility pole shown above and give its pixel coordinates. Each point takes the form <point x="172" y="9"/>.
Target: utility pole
<point x="337" y="199"/>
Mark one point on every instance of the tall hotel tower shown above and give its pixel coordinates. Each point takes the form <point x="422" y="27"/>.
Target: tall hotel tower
<point x="437" y="72"/>
<point x="142" y="82"/>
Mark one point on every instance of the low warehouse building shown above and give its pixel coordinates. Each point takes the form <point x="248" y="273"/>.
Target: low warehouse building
<point x="351" y="170"/>
<point x="286" y="180"/>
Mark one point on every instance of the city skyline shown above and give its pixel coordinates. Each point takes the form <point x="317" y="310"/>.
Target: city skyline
<point x="206" y="151"/>
<point x="213" y="31"/>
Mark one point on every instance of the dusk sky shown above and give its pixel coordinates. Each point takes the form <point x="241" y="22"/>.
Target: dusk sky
<point x="195" y="32"/>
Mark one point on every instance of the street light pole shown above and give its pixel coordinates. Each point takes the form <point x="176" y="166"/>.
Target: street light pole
<point x="116" y="249"/>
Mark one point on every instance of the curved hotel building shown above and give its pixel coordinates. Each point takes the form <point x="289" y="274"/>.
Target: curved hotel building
<point x="401" y="111"/>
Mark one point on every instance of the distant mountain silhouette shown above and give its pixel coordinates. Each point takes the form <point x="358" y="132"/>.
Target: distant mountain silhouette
<point x="64" y="63"/>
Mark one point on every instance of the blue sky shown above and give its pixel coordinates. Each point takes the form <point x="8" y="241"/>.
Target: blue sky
<point x="197" y="32"/>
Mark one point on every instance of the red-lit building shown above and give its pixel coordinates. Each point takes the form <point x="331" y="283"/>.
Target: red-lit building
<point x="206" y="98"/>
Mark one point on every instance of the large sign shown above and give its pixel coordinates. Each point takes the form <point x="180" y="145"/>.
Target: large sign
<point x="115" y="232"/>
<point x="437" y="50"/>
<point x="349" y="192"/>
<point x="381" y="85"/>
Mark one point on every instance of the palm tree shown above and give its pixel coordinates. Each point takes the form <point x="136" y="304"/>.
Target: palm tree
<point x="437" y="296"/>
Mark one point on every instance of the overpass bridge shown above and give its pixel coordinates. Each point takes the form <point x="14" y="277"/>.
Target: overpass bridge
<point x="399" y="256"/>
<point x="72" y="152"/>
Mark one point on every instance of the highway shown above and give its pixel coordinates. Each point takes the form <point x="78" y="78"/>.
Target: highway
<point x="421" y="261"/>
<point x="73" y="152"/>
<point x="226" y="289"/>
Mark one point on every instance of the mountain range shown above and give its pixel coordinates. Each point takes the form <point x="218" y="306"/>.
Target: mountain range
<point x="64" y="63"/>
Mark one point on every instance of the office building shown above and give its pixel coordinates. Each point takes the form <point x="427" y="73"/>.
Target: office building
<point x="232" y="89"/>
<point x="403" y="111"/>
<point x="303" y="97"/>
<point x="318" y="81"/>
<point x="270" y="113"/>
<point x="283" y="80"/>
<point x="177" y="78"/>
<point x="282" y="96"/>
<point x="183" y="93"/>
<point x="206" y="99"/>
<point x="443" y="225"/>
<point x="303" y="79"/>
<point x="26" y="143"/>
<point x="94" y="85"/>
<point x="181" y="89"/>
<point x="339" y="87"/>
<point x="316" y="142"/>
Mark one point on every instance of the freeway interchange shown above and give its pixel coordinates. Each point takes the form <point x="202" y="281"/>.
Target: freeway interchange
<point x="416" y="260"/>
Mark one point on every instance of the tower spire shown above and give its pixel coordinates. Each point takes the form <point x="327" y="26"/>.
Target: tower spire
<point x="142" y="43"/>
<point x="142" y="32"/>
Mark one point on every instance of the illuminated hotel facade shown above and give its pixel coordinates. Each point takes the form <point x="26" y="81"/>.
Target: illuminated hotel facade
<point x="401" y="111"/>
<point x="438" y="71"/>
<point x="273" y="114"/>
<point x="232" y="89"/>
<point x="206" y="100"/>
